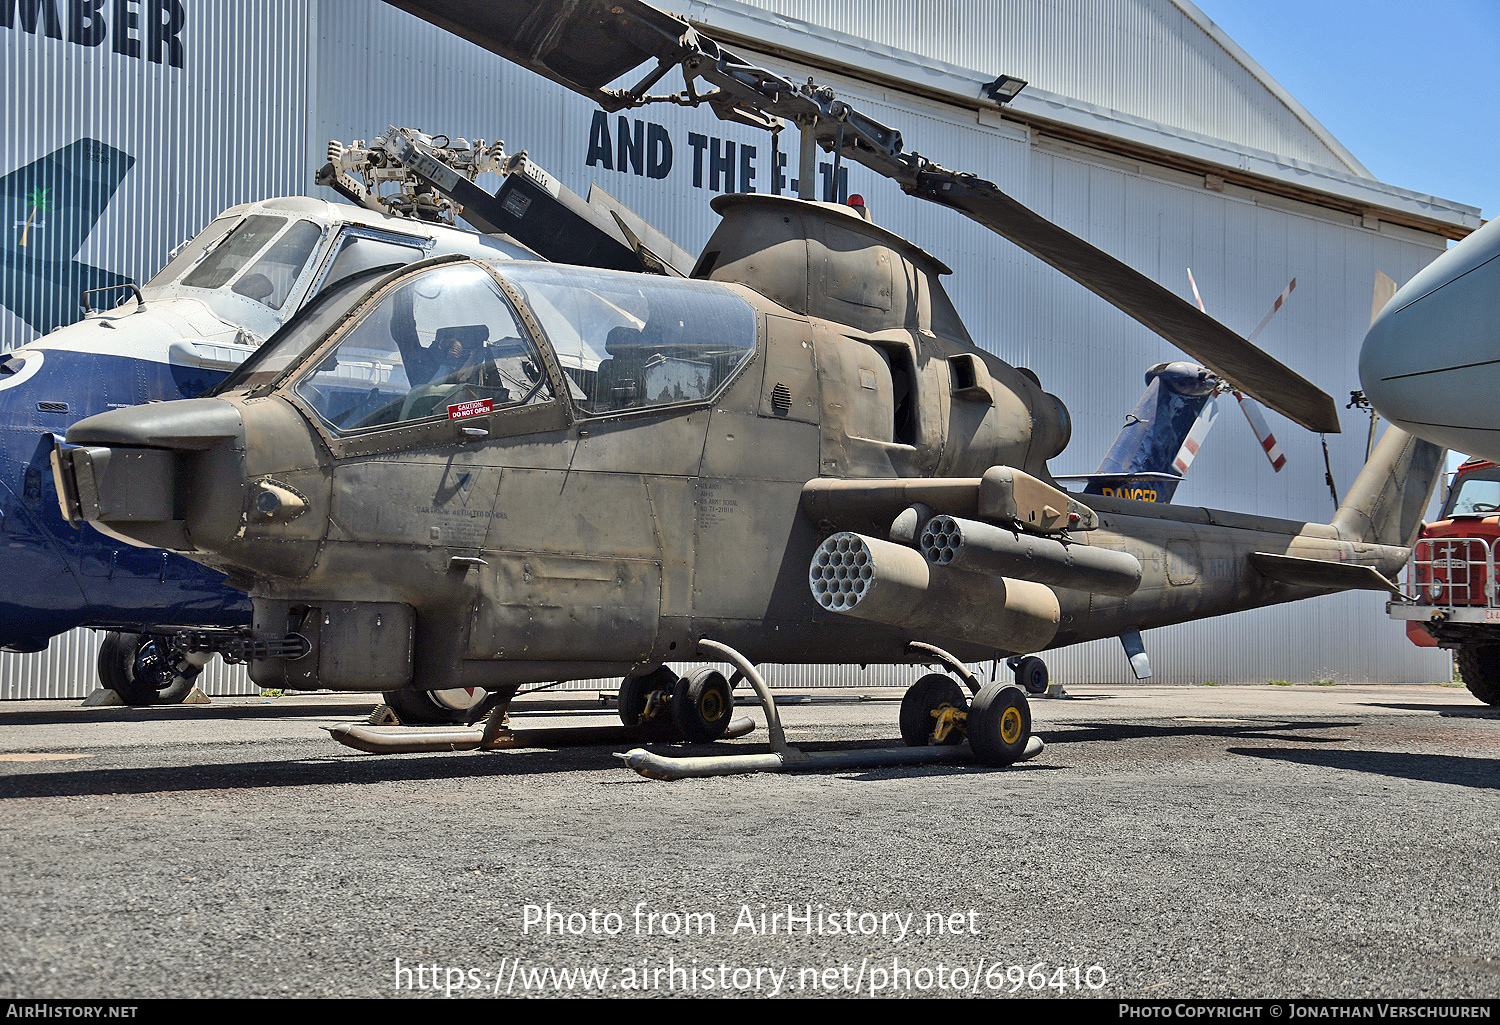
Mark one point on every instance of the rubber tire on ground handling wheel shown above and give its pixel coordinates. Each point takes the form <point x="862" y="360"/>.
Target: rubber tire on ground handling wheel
<point x="1479" y="665"/>
<point x="702" y="705"/>
<point x="999" y="724"/>
<point x="433" y="707"/>
<point x="921" y="699"/>
<point x="1031" y="675"/>
<point x="143" y="670"/>
<point x="634" y="690"/>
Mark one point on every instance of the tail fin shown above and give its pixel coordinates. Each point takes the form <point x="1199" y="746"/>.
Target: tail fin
<point x="1159" y="439"/>
<point x="1387" y="500"/>
<point x="47" y="210"/>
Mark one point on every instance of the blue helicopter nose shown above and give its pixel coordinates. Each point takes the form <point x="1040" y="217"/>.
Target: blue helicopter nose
<point x="1431" y="360"/>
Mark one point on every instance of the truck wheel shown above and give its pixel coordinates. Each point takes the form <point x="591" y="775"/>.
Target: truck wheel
<point x="1479" y="665"/>
<point x="144" y="670"/>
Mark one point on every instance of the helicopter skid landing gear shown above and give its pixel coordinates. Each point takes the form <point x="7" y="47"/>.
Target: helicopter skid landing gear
<point x="410" y="739"/>
<point x="948" y="695"/>
<point x="649" y="712"/>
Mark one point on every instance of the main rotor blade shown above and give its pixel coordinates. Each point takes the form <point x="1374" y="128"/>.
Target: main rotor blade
<point x="1242" y="365"/>
<point x="581" y="44"/>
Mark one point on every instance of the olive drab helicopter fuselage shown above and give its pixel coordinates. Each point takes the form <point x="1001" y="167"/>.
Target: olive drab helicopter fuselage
<point x="641" y="462"/>
<point x="473" y="473"/>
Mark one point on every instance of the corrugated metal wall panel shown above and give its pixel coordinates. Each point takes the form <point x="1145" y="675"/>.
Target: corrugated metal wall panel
<point x="1145" y="58"/>
<point x="229" y="126"/>
<point x="67" y="669"/>
<point x="377" y="66"/>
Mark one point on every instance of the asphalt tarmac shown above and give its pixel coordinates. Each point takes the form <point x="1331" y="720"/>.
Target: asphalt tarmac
<point x="1170" y="842"/>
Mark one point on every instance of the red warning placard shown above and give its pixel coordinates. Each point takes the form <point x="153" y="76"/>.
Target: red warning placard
<point x="464" y="410"/>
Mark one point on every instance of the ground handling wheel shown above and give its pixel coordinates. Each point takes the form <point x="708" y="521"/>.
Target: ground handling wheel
<point x="702" y="704"/>
<point x="935" y="706"/>
<point x="642" y="700"/>
<point x="999" y="724"/>
<point x="434" y="707"/>
<point x="1031" y="674"/>
<point x="143" y="669"/>
<point x="1479" y="665"/>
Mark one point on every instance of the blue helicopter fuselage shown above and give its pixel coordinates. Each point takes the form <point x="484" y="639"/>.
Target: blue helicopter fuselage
<point x="224" y="293"/>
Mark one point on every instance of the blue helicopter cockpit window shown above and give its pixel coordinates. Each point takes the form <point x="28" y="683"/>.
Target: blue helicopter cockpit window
<point x="628" y="341"/>
<point x="270" y="279"/>
<point x="248" y="239"/>
<point x="443" y="340"/>
<point x="189" y="253"/>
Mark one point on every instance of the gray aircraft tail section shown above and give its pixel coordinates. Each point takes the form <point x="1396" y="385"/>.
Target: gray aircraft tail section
<point x="1387" y="500"/>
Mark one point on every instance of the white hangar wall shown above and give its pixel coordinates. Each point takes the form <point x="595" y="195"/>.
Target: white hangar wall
<point x="266" y="86"/>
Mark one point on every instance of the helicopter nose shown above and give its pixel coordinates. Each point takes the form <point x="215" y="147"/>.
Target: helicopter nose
<point x="167" y="474"/>
<point x="1431" y="360"/>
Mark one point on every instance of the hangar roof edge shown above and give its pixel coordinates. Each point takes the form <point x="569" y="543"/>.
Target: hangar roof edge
<point x="743" y="24"/>
<point x="1250" y="64"/>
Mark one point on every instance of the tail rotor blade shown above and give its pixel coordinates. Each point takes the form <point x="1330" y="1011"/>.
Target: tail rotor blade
<point x="1268" y="442"/>
<point x="1272" y="311"/>
<point x="1385" y="290"/>
<point x="1194" y="440"/>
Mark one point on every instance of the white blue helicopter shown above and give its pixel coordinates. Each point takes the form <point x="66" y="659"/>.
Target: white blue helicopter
<point x="252" y="270"/>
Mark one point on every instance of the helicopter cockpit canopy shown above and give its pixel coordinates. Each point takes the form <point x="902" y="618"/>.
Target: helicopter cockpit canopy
<point x="627" y="341"/>
<point x="242" y="260"/>
<point x="254" y="265"/>
<point x="468" y="339"/>
<point x="443" y="339"/>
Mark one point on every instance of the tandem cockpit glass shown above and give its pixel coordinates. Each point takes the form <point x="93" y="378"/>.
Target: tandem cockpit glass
<point x="444" y="342"/>
<point x="631" y="341"/>
<point x="448" y="342"/>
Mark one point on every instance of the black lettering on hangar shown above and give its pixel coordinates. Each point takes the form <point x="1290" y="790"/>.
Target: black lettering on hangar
<point x="154" y="26"/>
<point x="645" y="148"/>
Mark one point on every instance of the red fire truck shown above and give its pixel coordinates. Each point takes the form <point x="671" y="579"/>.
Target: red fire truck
<point x="1451" y="598"/>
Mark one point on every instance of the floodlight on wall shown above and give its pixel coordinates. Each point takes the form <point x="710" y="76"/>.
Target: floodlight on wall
<point x="1004" y="89"/>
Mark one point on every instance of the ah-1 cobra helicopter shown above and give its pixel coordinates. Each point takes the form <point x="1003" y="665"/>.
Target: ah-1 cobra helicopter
<point x="476" y="474"/>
